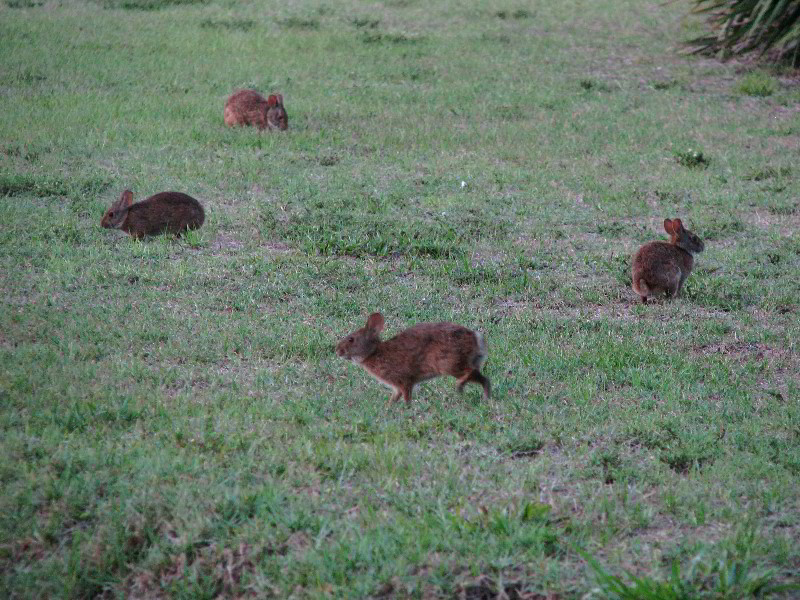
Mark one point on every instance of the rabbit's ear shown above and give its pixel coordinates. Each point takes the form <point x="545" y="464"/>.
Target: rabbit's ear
<point x="272" y="101"/>
<point x="676" y="225"/>
<point x="668" y="226"/>
<point x="375" y="322"/>
<point x="126" y="199"/>
<point x="279" y="97"/>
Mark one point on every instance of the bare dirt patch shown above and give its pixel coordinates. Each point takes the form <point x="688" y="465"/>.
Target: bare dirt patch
<point x="487" y="588"/>
<point x="297" y="543"/>
<point x="226" y="242"/>
<point x="783" y="112"/>
<point x="24" y="550"/>
<point x="621" y="310"/>
<point x="742" y="351"/>
<point x="277" y="247"/>
<point x="787" y="225"/>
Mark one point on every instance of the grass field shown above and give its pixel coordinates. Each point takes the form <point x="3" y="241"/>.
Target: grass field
<point x="174" y="420"/>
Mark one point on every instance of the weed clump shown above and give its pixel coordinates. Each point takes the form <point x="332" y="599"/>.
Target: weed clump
<point x="757" y="83"/>
<point x="768" y="173"/>
<point x="147" y="4"/>
<point x="364" y="22"/>
<point x="693" y="159"/>
<point x="387" y="38"/>
<point x="24" y="3"/>
<point x="590" y="84"/>
<point x="299" y="23"/>
<point x="519" y="13"/>
<point x="729" y="576"/>
<point x="228" y="24"/>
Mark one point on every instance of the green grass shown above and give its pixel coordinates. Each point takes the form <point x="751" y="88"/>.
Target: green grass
<point x="722" y="578"/>
<point x="758" y="83"/>
<point x="174" y="420"/>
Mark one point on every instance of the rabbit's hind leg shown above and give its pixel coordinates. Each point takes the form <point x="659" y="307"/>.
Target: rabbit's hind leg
<point x="642" y="289"/>
<point x="670" y="281"/>
<point x="475" y="376"/>
<point x="407" y="393"/>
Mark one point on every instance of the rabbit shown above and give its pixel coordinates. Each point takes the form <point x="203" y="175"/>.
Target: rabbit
<point x="248" y="107"/>
<point x="664" y="266"/>
<point x="172" y="212"/>
<point x="419" y="353"/>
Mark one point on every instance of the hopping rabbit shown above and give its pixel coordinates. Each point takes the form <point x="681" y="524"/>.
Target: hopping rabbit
<point x="419" y="353"/>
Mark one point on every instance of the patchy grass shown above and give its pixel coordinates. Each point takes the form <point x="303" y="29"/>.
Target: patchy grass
<point x="174" y="420"/>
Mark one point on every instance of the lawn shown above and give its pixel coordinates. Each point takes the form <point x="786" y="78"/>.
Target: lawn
<point x="173" y="419"/>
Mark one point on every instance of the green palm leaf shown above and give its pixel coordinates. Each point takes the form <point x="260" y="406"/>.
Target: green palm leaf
<point x="741" y="26"/>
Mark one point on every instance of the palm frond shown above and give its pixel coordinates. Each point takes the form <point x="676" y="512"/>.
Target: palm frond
<point x="742" y="26"/>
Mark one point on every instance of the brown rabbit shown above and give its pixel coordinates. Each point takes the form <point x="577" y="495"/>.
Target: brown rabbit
<point x="248" y="107"/>
<point x="663" y="267"/>
<point x="172" y="212"/>
<point x="419" y="353"/>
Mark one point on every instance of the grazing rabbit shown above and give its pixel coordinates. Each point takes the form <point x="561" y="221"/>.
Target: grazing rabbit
<point x="248" y="107"/>
<point x="663" y="267"/>
<point x="421" y="352"/>
<point x="172" y="212"/>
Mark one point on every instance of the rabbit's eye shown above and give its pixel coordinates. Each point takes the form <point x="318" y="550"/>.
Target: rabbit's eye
<point x="350" y="339"/>
<point x="111" y="214"/>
